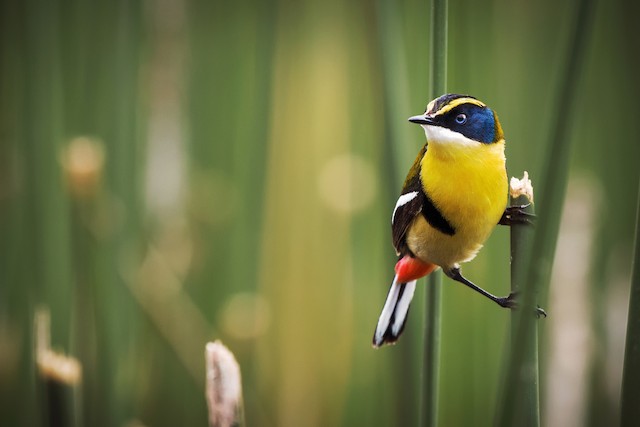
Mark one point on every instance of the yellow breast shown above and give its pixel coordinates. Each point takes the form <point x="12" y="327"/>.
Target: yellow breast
<point x="468" y="185"/>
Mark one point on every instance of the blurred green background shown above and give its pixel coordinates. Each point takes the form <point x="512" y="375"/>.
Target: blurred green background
<point x="174" y="172"/>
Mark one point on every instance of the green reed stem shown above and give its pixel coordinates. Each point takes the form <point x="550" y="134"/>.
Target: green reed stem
<point x="528" y="404"/>
<point x="433" y="303"/>
<point x="552" y="188"/>
<point x="630" y="410"/>
<point x="402" y="152"/>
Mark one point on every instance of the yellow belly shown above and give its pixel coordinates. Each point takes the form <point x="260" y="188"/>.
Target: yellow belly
<point x="468" y="185"/>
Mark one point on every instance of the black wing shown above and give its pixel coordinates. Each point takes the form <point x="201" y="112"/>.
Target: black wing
<point x="414" y="201"/>
<point x="409" y="204"/>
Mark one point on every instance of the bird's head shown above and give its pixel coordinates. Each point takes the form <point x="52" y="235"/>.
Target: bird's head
<point x="461" y="120"/>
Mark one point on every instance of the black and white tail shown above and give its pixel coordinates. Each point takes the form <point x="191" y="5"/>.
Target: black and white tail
<point x="394" y="313"/>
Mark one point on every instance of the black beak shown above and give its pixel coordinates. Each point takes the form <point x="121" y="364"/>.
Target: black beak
<point x="422" y="120"/>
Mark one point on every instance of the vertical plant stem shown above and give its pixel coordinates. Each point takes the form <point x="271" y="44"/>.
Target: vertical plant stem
<point x="439" y="28"/>
<point x="528" y="403"/>
<point x="223" y="387"/>
<point x="630" y="410"/>
<point x="402" y="152"/>
<point x="47" y="260"/>
<point x="431" y="342"/>
<point x="431" y="355"/>
<point x="60" y="378"/>
<point x="396" y="90"/>
<point x="553" y="182"/>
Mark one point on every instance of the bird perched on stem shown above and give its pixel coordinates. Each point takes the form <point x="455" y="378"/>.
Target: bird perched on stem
<point x="454" y="195"/>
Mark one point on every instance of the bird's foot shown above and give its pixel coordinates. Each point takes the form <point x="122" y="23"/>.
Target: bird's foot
<point x="510" y="302"/>
<point x="517" y="215"/>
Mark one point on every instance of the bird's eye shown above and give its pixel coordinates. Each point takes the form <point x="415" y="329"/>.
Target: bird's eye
<point x="461" y="119"/>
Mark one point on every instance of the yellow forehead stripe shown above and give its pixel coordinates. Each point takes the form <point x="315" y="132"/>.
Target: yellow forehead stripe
<point x="453" y="104"/>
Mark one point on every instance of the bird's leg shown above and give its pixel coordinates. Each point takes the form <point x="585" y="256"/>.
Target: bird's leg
<point x="506" y="302"/>
<point x="517" y="215"/>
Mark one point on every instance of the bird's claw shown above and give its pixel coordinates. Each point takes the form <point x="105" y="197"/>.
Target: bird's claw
<point x="510" y="302"/>
<point x="517" y="215"/>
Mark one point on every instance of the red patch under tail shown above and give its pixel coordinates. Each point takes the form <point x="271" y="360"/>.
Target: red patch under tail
<point x="409" y="268"/>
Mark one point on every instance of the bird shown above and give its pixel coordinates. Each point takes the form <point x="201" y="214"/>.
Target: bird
<point x="454" y="195"/>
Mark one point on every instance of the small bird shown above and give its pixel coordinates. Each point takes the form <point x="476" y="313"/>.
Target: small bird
<point x="454" y="195"/>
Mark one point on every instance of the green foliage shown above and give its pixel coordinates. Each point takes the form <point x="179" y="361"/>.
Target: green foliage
<point x="520" y="402"/>
<point x="177" y="172"/>
<point x="433" y="295"/>
<point x="631" y="373"/>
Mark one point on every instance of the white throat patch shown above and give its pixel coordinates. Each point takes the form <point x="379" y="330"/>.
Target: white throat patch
<point x="440" y="135"/>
